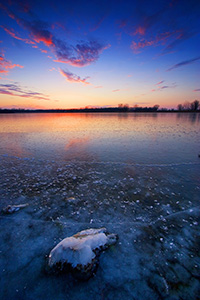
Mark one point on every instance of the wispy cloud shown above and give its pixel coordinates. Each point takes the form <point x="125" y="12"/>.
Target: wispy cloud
<point x="16" y="90"/>
<point x="182" y="36"/>
<point x="160" y="88"/>
<point x="73" y="77"/>
<point x="15" y="36"/>
<point x="196" y="90"/>
<point x="52" y="69"/>
<point x="98" y="23"/>
<point x="184" y="63"/>
<point x="98" y="87"/>
<point x="116" y="90"/>
<point x="145" y="25"/>
<point x="5" y="64"/>
<point x="158" y="40"/>
<point x="165" y="87"/>
<point x="160" y="82"/>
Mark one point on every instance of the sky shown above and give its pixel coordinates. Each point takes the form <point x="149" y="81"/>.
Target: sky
<point x="73" y="54"/>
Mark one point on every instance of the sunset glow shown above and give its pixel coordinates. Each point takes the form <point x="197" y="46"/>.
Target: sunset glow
<point x="70" y="55"/>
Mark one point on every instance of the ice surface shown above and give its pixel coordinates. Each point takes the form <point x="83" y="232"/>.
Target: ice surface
<point x="153" y="209"/>
<point x="135" y="174"/>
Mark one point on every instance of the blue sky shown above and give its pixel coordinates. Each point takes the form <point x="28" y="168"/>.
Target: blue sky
<point x="95" y="53"/>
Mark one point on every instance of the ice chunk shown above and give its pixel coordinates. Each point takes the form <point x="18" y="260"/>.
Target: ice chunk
<point x="13" y="208"/>
<point x="80" y="250"/>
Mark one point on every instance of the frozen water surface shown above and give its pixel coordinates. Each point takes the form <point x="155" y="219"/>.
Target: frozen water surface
<point x="136" y="175"/>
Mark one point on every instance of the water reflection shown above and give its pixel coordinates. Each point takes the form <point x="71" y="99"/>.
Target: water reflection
<point x="191" y="117"/>
<point x="79" y="149"/>
<point x="110" y="137"/>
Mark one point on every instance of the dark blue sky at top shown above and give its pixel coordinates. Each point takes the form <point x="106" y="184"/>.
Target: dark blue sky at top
<point x="77" y="34"/>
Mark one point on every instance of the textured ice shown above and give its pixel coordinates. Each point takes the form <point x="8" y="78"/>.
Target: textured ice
<point x="157" y="257"/>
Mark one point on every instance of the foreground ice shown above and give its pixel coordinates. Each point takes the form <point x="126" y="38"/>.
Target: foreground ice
<point x="154" y="210"/>
<point x="80" y="250"/>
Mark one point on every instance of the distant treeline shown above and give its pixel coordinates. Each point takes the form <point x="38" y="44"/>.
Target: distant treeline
<point x="189" y="106"/>
<point x="194" y="106"/>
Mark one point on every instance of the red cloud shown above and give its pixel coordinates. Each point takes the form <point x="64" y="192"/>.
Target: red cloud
<point x="79" y="55"/>
<point x="73" y="77"/>
<point x="13" y="34"/>
<point x="37" y="37"/>
<point x="37" y="29"/>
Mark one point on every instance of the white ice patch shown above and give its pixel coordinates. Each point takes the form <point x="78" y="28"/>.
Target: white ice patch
<point x="78" y="249"/>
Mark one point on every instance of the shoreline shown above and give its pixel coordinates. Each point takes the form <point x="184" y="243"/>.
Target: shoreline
<point x="21" y="111"/>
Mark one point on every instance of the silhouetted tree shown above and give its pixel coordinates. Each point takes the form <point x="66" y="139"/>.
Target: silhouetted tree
<point x="180" y="107"/>
<point x="195" y="105"/>
<point x="187" y="105"/>
<point x="156" y="107"/>
<point x="123" y="107"/>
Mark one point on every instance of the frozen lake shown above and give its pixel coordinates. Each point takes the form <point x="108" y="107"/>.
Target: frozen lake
<point x="136" y="174"/>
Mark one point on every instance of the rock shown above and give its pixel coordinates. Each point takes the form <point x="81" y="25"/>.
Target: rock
<point x="80" y="252"/>
<point x="13" y="208"/>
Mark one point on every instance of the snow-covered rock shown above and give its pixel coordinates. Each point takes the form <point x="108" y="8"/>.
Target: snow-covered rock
<point x="80" y="251"/>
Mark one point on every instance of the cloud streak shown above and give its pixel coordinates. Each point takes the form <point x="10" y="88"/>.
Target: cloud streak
<point x="160" y="88"/>
<point x="15" y="90"/>
<point x="70" y="77"/>
<point x="160" y="39"/>
<point x="160" y="82"/>
<point x="13" y="34"/>
<point x="5" y="65"/>
<point x="184" y="63"/>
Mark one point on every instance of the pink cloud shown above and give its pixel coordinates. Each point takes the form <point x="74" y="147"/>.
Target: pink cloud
<point x="18" y="91"/>
<point x="140" y="30"/>
<point x="81" y="54"/>
<point x="160" y="39"/>
<point x="43" y="51"/>
<point x="5" y="65"/>
<point x="73" y="77"/>
<point x="13" y="34"/>
<point x="160" y="82"/>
